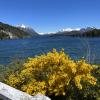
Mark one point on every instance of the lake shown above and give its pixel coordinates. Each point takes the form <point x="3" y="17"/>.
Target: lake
<point x="75" y="47"/>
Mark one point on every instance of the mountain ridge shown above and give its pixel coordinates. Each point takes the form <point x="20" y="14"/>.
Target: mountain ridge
<point x="21" y="31"/>
<point x="27" y="29"/>
<point x="83" y="32"/>
<point x="11" y="32"/>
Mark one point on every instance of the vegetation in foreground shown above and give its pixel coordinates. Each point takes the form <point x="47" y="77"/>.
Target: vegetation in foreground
<point x="56" y="75"/>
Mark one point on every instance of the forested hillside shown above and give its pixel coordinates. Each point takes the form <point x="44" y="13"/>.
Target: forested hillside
<point x="11" y="32"/>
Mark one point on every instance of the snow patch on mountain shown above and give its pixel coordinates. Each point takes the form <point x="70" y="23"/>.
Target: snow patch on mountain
<point x="27" y="29"/>
<point x="71" y="29"/>
<point x="23" y="26"/>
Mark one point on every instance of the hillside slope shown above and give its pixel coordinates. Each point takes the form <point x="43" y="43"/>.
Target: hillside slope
<point x="11" y="32"/>
<point x="27" y="29"/>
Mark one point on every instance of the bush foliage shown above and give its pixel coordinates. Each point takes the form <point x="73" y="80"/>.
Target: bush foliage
<point x="54" y="73"/>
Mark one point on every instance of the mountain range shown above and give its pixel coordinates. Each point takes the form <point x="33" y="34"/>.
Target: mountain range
<point x="12" y="32"/>
<point x="83" y="32"/>
<point x="21" y="31"/>
<point x="27" y="29"/>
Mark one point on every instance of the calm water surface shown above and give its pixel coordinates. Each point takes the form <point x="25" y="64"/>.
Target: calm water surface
<point x="75" y="47"/>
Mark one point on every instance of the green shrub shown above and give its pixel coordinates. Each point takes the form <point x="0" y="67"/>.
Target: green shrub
<point x="54" y="74"/>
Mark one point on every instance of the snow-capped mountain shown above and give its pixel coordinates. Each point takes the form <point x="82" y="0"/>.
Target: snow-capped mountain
<point x="77" y="29"/>
<point x="11" y="32"/>
<point x="27" y="29"/>
<point x="71" y="29"/>
<point x="82" y="30"/>
<point x="21" y="26"/>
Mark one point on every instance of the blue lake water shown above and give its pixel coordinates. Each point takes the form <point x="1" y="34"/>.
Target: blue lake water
<point x="75" y="47"/>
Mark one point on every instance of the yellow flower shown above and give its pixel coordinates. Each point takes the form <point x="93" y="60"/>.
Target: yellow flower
<point x="52" y="73"/>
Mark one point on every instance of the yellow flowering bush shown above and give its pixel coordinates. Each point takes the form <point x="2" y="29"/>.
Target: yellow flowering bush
<point x="52" y="73"/>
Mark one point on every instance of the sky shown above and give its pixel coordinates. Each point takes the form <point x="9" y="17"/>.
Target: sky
<point x="51" y="15"/>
